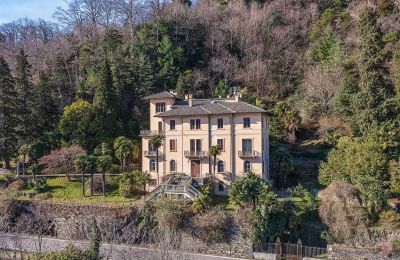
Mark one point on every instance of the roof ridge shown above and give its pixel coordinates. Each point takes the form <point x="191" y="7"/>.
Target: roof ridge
<point x="252" y="106"/>
<point x="205" y="109"/>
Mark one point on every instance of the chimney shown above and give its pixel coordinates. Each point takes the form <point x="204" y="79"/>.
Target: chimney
<point x="190" y="98"/>
<point x="186" y="97"/>
<point x="237" y="97"/>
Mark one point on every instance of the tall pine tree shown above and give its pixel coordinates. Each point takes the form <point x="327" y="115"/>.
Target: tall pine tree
<point x="8" y="113"/>
<point x="375" y="86"/>
<point x="23" y="86"/>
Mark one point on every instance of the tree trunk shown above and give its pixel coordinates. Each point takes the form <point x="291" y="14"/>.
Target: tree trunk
<point x="104" y="184"/>
<point x="83" y="183"/>
<point x="213" y="178"/>
<point x="158" y="174"/>
<point x="23" y="165"/>
<point x="8" y="166"/>
<point x="91" y="183"/>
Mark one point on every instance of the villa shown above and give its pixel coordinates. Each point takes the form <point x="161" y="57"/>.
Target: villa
<point x="189" y="128"/>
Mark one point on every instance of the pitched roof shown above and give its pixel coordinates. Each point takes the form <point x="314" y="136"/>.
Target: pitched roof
<point x="209" y="107"/>
<point x="163" y="94"/>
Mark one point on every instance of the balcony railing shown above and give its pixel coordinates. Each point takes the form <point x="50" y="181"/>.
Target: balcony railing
<point x="151" y="132"/>
<point x="248" y="154"/>
<point x="195" y="154"/>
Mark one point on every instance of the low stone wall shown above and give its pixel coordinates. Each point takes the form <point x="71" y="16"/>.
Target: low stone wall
<point x="350" y="253"/>
<point x="122" y="225"/>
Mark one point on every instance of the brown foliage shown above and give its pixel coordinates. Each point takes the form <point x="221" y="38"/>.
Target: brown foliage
<point x="341" y="210"/>
<point x="61" y="161"/>
<point x="17" y="185"/>
<point x="213" y="226"/>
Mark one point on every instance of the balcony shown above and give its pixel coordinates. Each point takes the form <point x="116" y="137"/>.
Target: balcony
<point x="151" y="153"/>
<point x="248" y="154"/>
<point x="195" y="154"/>
<point x="151" y="132"/>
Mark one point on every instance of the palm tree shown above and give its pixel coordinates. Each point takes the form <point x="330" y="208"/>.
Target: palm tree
<point x="123" y="148"/>
<point x="141" y="179"/>
<point x="214" y="151"/>
<point x="86" y="163"/>
<point x="24" y="151"/>
<point x="292" y="121"/>
<point x="156" y="141"/>
<point x="104" y="163"/>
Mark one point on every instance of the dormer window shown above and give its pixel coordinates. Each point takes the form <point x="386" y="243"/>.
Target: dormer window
<point x="160" y="107"/>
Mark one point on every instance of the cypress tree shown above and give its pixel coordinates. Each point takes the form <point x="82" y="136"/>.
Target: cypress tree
<point x="7" y="113"/>
<point x="23" y="87"/>
<point x="375" y="86"/>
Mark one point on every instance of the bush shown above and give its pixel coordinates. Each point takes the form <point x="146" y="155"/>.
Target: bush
<point x="172" y="214"/>
<point x="17" y="185"/>
<point x="6" y="179"/>
<point x="390" y="219"/>
<point x="213" y="226"/>
<point x="396" y="246"/>
<point x="68" y="253"/>
<point x="203" y="201"/>
<point x="9" y="209"/>
<point x="39" y="185"/>
<point x="126" y="185"/>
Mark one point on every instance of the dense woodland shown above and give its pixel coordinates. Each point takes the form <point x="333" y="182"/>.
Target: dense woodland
<point x="325" y="70"/>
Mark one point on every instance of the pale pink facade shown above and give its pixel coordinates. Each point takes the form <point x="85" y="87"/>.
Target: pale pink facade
<point x="190" y="127"/>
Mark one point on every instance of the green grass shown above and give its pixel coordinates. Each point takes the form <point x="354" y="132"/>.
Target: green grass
<point x="61" y="190"/>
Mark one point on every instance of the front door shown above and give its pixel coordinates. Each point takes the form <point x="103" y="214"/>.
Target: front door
<point x="195" y="166"/>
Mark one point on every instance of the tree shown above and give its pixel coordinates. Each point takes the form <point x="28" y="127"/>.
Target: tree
<point x="95" y="240"/>
<point x="86" y="164"/>
<point x="104" y="163"/>
<point x="24" y="89"/>
<point x="141" y="178"/>
<point x="247" y="189"/>
<point x="156" y="141"/>
<point x="123" y="147"/>
<point x="281" y="165"/>
<point x="292" y="121"/>
<point x="168" y="59"/>
<point x="375" y="86"/>
<point x="105" y="100"/>
<point x="214" y="151"/>
<point x="24" y="151"/>
<point x="79" y="125"/>
<point x="8" y="113"/>
<point x="362" y="163"/>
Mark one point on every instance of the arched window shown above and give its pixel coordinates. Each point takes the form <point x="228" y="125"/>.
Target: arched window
<point x="152" y="165"/>
<point x="172" y="166"/>
<point x="246" y="166"/>
<point x="220" y="166"/>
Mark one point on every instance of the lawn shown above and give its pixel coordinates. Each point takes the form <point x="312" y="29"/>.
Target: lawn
<point x="61" y="190"/>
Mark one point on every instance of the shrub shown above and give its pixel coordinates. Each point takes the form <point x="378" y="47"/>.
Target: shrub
<point x="39" y="185"/>
<point x="17" y="185"/>
<point x="390" y="219"/>
<point x="6" y="179"/>
<point x="9" y="209"/>
<point x="213" y="226"/>
<point x="68" y="253"/>
<point x="203" y="201"/>
<point x="126" y="185"/>
<point x="172" y="214"/>
<point x="396" y="246"/>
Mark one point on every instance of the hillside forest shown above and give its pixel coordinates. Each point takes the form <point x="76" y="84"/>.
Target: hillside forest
<point x="326" y="71"/>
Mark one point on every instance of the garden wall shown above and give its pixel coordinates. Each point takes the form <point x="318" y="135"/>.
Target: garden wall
<point x="125" y="225"/>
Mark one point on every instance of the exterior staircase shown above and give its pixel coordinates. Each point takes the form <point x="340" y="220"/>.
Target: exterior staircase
<point x="178" y="186"/>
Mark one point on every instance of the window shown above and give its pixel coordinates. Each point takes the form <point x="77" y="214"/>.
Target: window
<point x="172" y="166"/>
<point x="246" y="166"/>
<point x="151" y="148"/>
<point x="220" y="166"/>
<point x="195" y="145"/>
<point x="160" y="126"/>
<point x="220" y="143"/>
<point x="153" y="182"/>
<point x="152" y="165"/>
<point x="160" y="107"/>
<point x="247" y="146"/>
<point x="194" y="123"/>
<point x="221" y="186"/>
<point x="246" y="122"/>
<point x="172" y="125"/>
<point x="172" y="145"/>
<point x="220" y="123"/>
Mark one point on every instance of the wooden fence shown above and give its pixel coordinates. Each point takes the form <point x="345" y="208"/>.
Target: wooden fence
<point x="290" y="251"/>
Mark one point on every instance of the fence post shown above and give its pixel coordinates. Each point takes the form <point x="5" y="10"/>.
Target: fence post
<point x="278" y="248"/>
<point x="299" y="250"/>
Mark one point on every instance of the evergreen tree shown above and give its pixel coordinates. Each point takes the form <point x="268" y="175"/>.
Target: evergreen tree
<point x="23" y="87"/>
<point x="45" y="109"/>
<point x="105" y="100"/>
<point x="168" y="59"/>
<point x="145" y="75"/>
<point x="7" y="114"/>
<point x="375" y="86"/>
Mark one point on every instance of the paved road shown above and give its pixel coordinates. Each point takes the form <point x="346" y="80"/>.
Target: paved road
<point x="108" y="251"/>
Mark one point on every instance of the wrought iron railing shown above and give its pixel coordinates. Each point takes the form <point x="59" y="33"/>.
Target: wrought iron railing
<point x="151" y="132"/>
